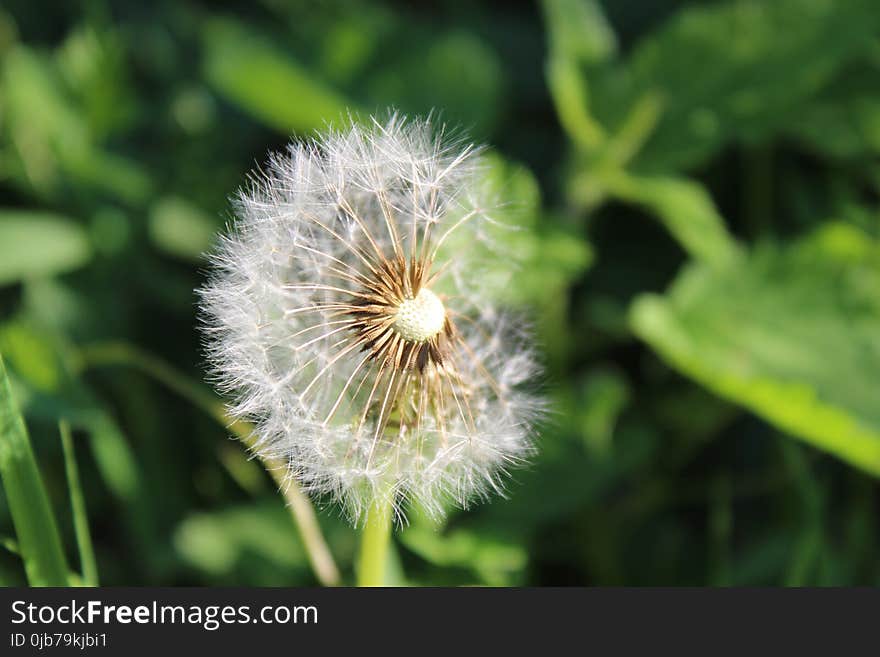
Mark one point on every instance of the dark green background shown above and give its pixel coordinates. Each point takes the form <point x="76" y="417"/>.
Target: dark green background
<point x="700" y="187"/>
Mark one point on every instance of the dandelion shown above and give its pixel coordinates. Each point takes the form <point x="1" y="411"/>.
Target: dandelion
<point x="351" y="320"/>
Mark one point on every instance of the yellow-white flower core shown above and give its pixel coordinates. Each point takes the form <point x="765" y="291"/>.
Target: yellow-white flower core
<point x="421" y="318"/>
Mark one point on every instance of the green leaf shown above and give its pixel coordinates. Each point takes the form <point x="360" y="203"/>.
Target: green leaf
<point x="93" y="63"/>
<point x="579" y="30"/>
<point x="39" y="244"/>
<point x="266" y="82"/>
<point x="455" y="72"/>
<point x="50" y="134"/>
<point x="603" y="397"/>
<point x="258" y="539"/>
<point x="844" y="121"/>
<point x="790" y="334"/>
<point x="38" y="539"/>
<point x="180" y="228"/>
<point x="32" y="357"/>
<point x="579" y="37"/>
<point x="734" y="71"/>
<point x="685" y="208"/>
<point x="497" y="562"/>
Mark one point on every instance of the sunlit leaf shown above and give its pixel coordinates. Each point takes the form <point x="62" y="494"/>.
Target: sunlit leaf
<point x="267" y="82"/>
<point x="791" y="334"/>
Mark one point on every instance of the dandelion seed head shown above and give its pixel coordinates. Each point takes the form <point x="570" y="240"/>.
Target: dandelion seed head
<point x="421" y="318"/>
<point x="347" y="318"/>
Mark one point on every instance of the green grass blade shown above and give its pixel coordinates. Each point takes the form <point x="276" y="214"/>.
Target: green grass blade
<point x="78" y="505"/>
<point x="35" y="526"/>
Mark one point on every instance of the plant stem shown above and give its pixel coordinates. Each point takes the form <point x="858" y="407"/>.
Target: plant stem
<point x="376" y="538"/>
<point x="88" y="563"/>
<point x="306" y="521"/>
<point x="301" y="510"/>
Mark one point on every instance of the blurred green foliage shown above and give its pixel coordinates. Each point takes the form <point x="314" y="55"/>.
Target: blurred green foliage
<point x="698" y="190"/>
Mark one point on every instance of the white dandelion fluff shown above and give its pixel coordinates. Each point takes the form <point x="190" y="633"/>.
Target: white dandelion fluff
<point x="348" y="319"/>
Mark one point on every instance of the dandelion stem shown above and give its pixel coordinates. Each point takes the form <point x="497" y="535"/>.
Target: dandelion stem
<point x="301" y="510"/>
<point x="375" y="540"/>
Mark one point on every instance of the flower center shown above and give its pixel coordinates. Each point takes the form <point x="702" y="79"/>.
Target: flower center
<point x="421" y="318"/>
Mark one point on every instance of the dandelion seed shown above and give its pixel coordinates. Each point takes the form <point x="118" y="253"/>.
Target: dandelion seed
<point x="347" y="319"/>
